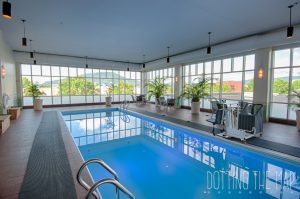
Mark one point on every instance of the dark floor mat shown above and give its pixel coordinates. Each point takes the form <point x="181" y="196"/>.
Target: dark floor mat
<point x="282" y="148"/>
<point x="48" y="173"/>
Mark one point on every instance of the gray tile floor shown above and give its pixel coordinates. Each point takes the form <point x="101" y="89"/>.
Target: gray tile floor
<point x="16" y="142"/>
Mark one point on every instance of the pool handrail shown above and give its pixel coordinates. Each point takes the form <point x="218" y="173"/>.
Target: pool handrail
<point x="117" y="184"/>
<point x="105" y="166"/>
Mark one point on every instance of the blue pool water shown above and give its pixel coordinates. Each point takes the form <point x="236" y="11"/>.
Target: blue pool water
<point x="156" y="160"/>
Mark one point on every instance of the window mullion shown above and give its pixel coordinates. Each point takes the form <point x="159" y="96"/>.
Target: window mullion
<point x="290" y="82"/>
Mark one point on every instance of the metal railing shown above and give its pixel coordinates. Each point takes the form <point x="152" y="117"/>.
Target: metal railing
<point x="125" y="104"/>
<point x="92" y="190"/>
<point x="116" y="183"/>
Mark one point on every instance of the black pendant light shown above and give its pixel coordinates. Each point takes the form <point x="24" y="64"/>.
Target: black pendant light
<point x="144" y="65"/>
<point x="168" y="58"/>
<point x="208" y="50"/>
<point x="31" y="52"/>
<point x="86" y="64"/>
<point x="34" y="61"/>
<point x="6" y="10"/>
<point x="127" y="68"/>
<point x="290" y="29"/>
<point x="24" y="40"/>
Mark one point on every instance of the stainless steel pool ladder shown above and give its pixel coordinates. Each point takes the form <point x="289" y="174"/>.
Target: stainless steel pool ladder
<point x="125" y="117"/>
<point x="125" y="104"/>
<point x="92" y="191"/>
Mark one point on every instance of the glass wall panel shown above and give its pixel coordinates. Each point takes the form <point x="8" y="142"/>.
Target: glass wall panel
<point x="65" y="85"/>
<point x="26" y="69"/>
<point x="232" y="86"/>
<point x="238" y="64"/>
<point x="168" y="75"/>
<point x="280" y="86"/>
<point x="285" y="79"/>
<point x="281" y="58"/>
<point x="56" y="90"/>
<point x="230" y="78"/>
<point x="250" y="62"/>
<point x="248" y="86"/>
<point x="227" y="65"/>
<point x="296" y="57"/>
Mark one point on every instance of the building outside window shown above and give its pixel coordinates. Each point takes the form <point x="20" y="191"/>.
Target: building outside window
<point x="285" y="78"/>
<point x="231" y="78"/>
<point x="70" y="85"/>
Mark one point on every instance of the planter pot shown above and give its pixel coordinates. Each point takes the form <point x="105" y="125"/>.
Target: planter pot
<point x="157" y="102"/>
<point x="108" y="101"/>
<point x="195" y="107"/>
<point x="298" y="119"/>
<point x="38" y="104"/>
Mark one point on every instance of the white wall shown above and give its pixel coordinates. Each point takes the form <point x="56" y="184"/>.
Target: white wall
<point x="269" y="40"/>
<point x="48" y="59"/>
<point x="8" y="84"/>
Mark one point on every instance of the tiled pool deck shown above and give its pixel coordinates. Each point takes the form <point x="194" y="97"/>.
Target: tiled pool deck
<point x="15" y="144"/>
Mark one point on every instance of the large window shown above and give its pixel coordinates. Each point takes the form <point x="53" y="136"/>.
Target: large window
<point x="168" y="75"/>
<point x="229" y="78"/>
<point x="69" y="85"/>
<point x="285" y="78"/>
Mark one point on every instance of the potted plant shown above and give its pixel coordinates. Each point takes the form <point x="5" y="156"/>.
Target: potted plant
<point x="109" y="91"/>
<point x="296" y="94"/>
<point x="156" y="88"/>
<point x="20" y="103"/>
<point x="2" y="109"/>
<point x="195" y="91"/>
<point x="36" y="93"/>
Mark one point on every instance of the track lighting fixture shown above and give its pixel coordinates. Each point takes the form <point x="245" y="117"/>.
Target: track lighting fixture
<point x="6" y="10"/>
<point x="208" y="50"/>
<point x="144" y="65"/>
<point x="290" y="29"/>
<point x="168" y="58"/>
<point x="86" y="64"/>
<point x="24" y="40"/>
<point x="31" y="52"/>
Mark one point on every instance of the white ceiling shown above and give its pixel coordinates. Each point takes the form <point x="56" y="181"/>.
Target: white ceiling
<point x="124" y="30"/>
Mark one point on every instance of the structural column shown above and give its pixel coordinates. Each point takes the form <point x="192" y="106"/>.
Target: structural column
<point x="178" y="82"/>
<point x="262" y="78"/>
<point x="143" y="82"/>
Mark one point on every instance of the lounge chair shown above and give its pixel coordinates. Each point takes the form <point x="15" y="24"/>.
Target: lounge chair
<point x="217" y="120"/>
<point x="214" y="107"/>
<point x="171" y="103"/>
<point x="134" y="100"/>
<point x="242" y="104"/>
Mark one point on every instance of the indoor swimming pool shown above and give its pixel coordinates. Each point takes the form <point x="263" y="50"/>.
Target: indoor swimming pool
<point x="157" y="160"/>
